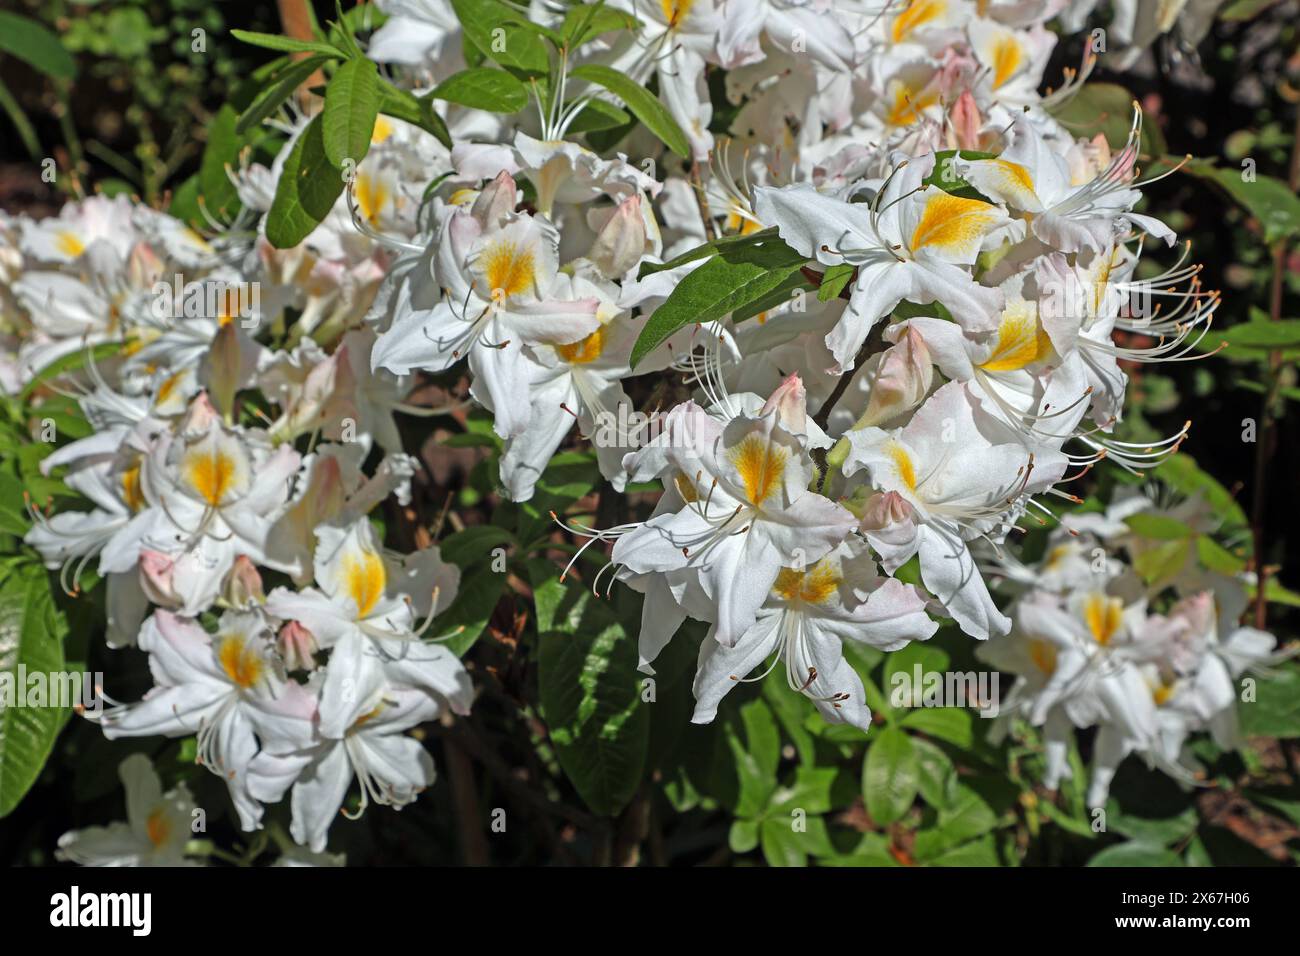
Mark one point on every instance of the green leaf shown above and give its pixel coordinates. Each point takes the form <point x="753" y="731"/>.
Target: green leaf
<point x="281" y="88"/>
<point x="587" y="21"/>
<point x="220" y="197"/>
<point x="32" y="629"/>
<point x="1181" y="473"/>
<point x="944" y="177"/>
<point x="484" y="88"/>
<point x="936" y="775"/>
<point x="1161" y="564"/>
<point x="351" y="106"/>
<point x="711" y="248"/>
<point x="308" y="188"/>
<point x="1267" y="199"/>
<point x="1158" y="527"/>
<point x="599" y="115"/>
<point x="1108" y="109"/>
<point x="731" y="279"/>
<point x="967" y="817"/>
<point x="273" y="41"/>
<point x="404" y="106"/>
<point x="1216" y="557"/>
<point x="1136" y="854"/>
<point x="890" y="778"/>
<point x="834" y="280"/>
<point x="590" y="691"/>
<point x="1275" y="711"/>
<point x="952" y="724"/>
<point x="35" y="45"/>
<point x="68" y="363"/>
<point x="514" y="46"/>
<point x="641" y="102"/>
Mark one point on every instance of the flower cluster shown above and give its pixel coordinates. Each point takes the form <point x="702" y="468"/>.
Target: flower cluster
<point x="939" y="354"/>
<point x="1088" y="650"/>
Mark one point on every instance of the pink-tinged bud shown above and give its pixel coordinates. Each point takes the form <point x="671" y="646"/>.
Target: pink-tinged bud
<point x="243" y="585"/>
<point x="790" y="402"/>
<point x="884" y="510"/>
<point x="144" y="267"/>
<point x="298" y="647"/>
<point x="199" y="416"/>
<point x="621" y="241"/>
<point x="1198" y="611"/>
<point x="902" y="380"/>
<point x="497" y="198"/>
<point x="966" y="121"/>
<point x="156" y="578"/>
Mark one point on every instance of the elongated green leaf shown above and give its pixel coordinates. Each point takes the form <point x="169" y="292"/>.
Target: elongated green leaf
<point x="351" y="105"/>
<point x="834" y="280"/>
<point x="495" y="31"/>
<point x="1136" y="854"/>
<point x="272" y="41"/>
<point x="710" y="248"/>
<point x="1181" y="472"/>
<point x="1267" y="199"/>
<point x="730" y="280"/>
<point x="281" y="88"/>
<point x="484" y="88"/>
<point x="32" y="630"/>
<point x="598" y="115"/>
<point x="35" y="45"/>
<point x="308" y="187"/>
<point x="587" y="21"/>
<point x="639" y="100"/>
<point x="590" y="691"/>
<point x="404" y="106"/>
<point x="890" y="778"/>
<point x="220" y="198"/>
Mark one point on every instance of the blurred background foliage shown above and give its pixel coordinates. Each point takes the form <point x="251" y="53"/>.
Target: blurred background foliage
<point x="127" y="100"/>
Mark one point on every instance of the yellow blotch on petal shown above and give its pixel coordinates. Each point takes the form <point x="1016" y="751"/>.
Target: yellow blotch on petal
<point x="1007" y="57"/>
<point x="917" y="14"/>
<point x="907" y="104"/>
<point x="584" y="350"/>
<point x="950" y="222"/>
<point x="240" y="660"/>
<point x="509" y="268"/>
<point x="685" y="488"/>
<point x="383" y="129"/>
<point x="902" y="460"/>
<point x="813" y="586"/>
<point x="1043" y="655"/>
<point x="1162" y="692"/>
<point x="69" y="244"/>
<point x="761" y="466"/>
<point x="131" y="493"/>
<point x="1103" y="615"/>
<point x="157" y="827"/>
<point x="372" y="195"/>
<point x="675" y="11"/>
<point x="364" y="579"/>
<point x="212" y="472"/>
<point x="1021" y="341"/>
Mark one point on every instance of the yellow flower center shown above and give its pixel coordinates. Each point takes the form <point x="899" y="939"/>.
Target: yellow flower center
<point x="760" y="465"/>
<point x="240" y="660"/>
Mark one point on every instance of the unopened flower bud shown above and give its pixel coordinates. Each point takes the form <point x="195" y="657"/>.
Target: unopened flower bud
<point x="621" y="240"/>
<point x="243" y="586"/>
<point x="884" y="510"/>
<point x="298" y="647"/>
<point x="156" y="578"/>
<point x="498" y="198"/>
<point x="901" y="382"/>
<point x="790" y="402"/>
